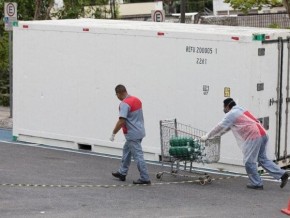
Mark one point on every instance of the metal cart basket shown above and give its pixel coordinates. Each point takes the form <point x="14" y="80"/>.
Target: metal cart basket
<point x="181" y="145"/>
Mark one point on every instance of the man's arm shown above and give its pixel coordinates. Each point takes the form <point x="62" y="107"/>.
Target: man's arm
<point x="220" y="129"/>
<point x="217" y="131"/>
<point x="118" y="126"/>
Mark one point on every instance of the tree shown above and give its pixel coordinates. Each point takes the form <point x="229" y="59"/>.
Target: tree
<point x="286" y="4"/>
<point x="42" y="9"/>
<point x="76" y="9"/>
<point x="32" y="9"/>
<point x="4" y="65"/>
<point x="4" y="70"/>
<point x="246" y="5"/>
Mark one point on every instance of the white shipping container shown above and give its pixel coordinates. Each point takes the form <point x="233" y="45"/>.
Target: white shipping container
<point x="65" y="72"/>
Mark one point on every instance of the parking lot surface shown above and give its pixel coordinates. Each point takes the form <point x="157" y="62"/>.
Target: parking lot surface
<point x="41" y="181"/>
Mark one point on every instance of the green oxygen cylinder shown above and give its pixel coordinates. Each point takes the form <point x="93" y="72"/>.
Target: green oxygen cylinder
<point x="181" y="151"/>
<point x="184" y="147"/>
<point x="172" y="151"/>
<point x="180" y="141"/>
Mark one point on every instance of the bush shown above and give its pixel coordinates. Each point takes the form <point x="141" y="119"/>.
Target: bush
<point x="5" y="100"/>
<point x="4" y="70"/>
<point x="274" y="26"/>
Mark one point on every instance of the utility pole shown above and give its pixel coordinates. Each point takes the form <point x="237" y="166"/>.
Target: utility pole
<point x="182" y="11"/>
<point x="113" y="9"/>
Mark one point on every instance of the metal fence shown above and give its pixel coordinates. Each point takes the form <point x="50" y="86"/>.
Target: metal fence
<point x="280" y="20"/>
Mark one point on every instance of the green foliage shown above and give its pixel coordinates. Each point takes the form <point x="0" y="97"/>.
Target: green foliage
<point x="246" y="5"/>
<point x="1" y="19"/>
<point x="30" y="9"/>
<point x="25" y="9"/>
<point x="274" y="26"/>
<point x="4" y="70"/>
<point x="4" y="52"/>
<point x="4" y="65"/>
<point x="173" y="6"/>
<point x="75" y="9"/>
<point x="198" y="5"/>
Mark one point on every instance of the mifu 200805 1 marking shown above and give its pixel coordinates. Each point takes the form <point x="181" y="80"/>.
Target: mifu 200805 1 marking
<point x="201" y="51"/>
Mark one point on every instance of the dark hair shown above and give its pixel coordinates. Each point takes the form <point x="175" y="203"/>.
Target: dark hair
<point x="229" y="102"/>
<point x="120" y="89"/>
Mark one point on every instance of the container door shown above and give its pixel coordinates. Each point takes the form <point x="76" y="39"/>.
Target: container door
<point x="279" y="133"/>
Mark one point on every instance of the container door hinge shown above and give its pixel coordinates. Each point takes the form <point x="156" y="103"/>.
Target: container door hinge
<point x="287" y="99"/>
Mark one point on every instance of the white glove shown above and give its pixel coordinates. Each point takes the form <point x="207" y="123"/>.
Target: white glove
<point x="203" y="138"/>
<point x="112" y="138"/>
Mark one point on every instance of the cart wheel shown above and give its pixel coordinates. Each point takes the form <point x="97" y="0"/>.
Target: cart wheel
<point x="209" y="179"/>
<point x="159" y="175"/>
<point x="202" y="181"/>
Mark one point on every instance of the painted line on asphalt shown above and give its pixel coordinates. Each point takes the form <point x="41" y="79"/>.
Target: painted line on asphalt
<point x="228" y="174"/>
<point x="112" y="186"/>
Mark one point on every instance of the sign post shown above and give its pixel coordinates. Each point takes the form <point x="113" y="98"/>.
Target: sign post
<point x="10" y="15"/>
<point x="10" y="20"/>
<point x="158" y="15"/>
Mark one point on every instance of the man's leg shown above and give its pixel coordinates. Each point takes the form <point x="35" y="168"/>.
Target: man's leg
<point x="251" y="156"/>
<point x="126" y="159"/>
<point x="138" y="156"/>
<point x="274" y="170"/>
<point x="252" y="171"/>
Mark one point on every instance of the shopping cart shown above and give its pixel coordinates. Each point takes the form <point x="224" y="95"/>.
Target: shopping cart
<point x="181" y="145"/>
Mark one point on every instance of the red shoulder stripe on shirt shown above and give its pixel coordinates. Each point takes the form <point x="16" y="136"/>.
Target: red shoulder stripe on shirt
<point x="134" y="103"/>
<point x="261" y="129"/>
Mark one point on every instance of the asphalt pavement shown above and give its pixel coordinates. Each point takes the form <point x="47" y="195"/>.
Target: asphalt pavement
<point x="41" y="181"/>
<point x="49" y="182"/>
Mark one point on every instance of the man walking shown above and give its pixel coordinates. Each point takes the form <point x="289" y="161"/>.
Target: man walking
<point x="252" y="139"/>
<point x="132" y="123"/>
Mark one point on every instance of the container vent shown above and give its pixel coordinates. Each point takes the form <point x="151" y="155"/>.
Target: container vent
<point x="265" y="121"/>
<point x="85" y="147"/>
<point x="260" y="86"/>
<point x="261" y="52"/>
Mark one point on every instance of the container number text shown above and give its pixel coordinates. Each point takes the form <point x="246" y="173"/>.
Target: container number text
<point x="200" y="50"/>
<point x="201" y="61"/>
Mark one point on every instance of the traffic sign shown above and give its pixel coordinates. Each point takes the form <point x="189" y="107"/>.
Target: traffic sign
<point x="158" y="15"/>
<point x="10" y="15"/>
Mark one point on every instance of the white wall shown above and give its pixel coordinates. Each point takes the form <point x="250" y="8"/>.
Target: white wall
<point x="219" y="5"/>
